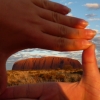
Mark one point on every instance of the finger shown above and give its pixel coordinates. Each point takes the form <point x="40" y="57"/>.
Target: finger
<point x="62" y="19"/>
<point x="22" y="99"/>
<point x="32" y="91"/>
<point x="3" y="76"/>
<point x="65" y="31"/>
<point x="52" y="6"/>
<point x="49" y="42"/>
<point x="89" y="62"/>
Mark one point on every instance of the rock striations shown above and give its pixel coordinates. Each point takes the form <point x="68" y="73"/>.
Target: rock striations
<point x="46" y="63"/>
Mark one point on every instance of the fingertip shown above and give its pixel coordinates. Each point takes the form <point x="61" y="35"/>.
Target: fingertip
<point x="88" y="53"/>
<point x="82" y="24"/>
<point x="66" y="10"/>
<point x="89" y="50"/>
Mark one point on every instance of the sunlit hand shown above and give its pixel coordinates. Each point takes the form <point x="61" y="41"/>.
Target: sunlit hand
<point x="88" y="88"/>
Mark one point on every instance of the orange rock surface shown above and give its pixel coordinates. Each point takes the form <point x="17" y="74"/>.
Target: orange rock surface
<point x="46" y="63"/>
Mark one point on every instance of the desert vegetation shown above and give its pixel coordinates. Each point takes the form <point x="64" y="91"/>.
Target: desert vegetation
<point x="39" y="76"/>
<point x="67" y="74"/>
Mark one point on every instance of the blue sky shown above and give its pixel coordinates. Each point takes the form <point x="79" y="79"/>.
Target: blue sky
<point x="86" y="9"/>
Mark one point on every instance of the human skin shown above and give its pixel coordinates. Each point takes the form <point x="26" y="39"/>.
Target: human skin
<point x="38" y="24"/>
<point x="88" y="88"/>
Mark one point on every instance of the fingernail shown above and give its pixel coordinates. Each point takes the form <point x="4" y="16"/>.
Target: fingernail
<point x="90" y="33"/>
<point x="66" y="10"/>
<point x="83" y="23"/>
<point x="86" y="43"/>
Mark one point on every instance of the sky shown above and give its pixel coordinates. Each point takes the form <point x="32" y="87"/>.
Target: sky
<point x="85" y="9"/>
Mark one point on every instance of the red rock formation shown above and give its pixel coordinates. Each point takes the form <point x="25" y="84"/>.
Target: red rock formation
<point x="46" y="63"/>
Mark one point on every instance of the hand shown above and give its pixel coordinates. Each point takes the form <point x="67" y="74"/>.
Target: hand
<point x="88" y="88"/>
<point x="23" y="25"/>
<point x="38" y="24"/>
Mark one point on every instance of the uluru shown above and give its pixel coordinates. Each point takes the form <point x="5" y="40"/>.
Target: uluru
<point x="46" y="63"/>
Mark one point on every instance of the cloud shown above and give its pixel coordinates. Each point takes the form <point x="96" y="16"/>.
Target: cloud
<point x="90" y="15"/>
<point x="97" y="40"/>
<point x="70" y="3"/>
<point x="92" y="5"/>
<point x="97" y="25"/>
<point x="94" y="19"/>
<point x="70" y="14"/>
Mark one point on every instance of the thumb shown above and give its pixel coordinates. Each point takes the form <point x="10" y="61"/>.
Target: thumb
<point x="89" y="62"/>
